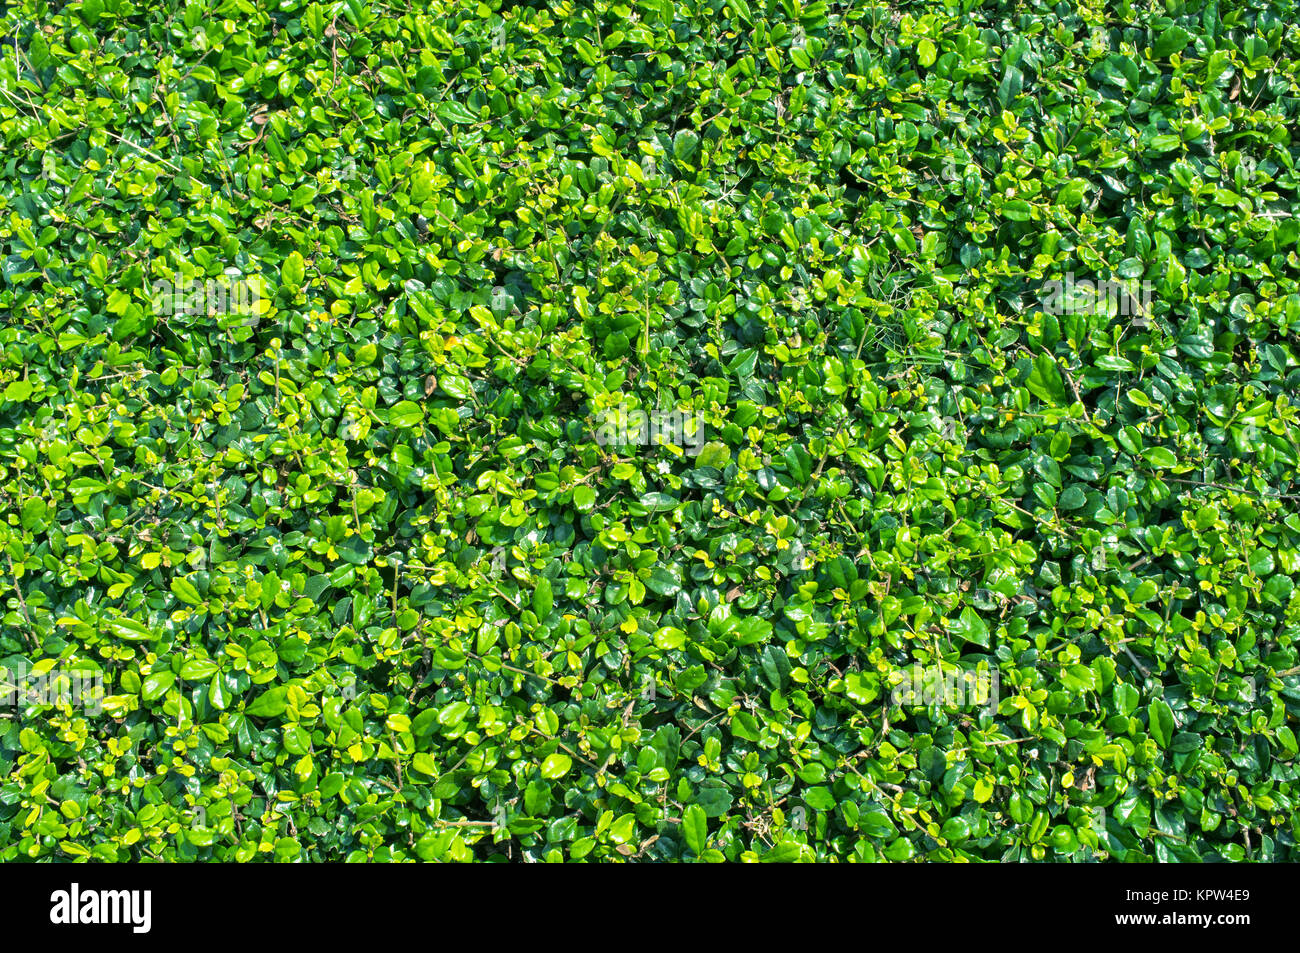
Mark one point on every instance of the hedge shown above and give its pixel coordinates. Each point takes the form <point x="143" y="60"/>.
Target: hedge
<point x="648" y="430"/>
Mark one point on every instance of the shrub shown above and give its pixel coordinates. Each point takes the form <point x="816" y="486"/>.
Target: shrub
<point x="641" y="430"/>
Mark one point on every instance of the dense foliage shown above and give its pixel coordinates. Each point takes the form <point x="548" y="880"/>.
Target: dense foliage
<point x="364" y="580"/>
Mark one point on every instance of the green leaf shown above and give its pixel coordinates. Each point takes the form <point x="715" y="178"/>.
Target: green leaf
<point x="293" y="271"/>
<point x="1017" y="210"/>
<point x="971" y="628"/>
<point x="129" y="629"/>
<point x="269" y="704"/>
<point x="1171" y="41"/>
<point x="18" y="391"/>
<point x="556" y="766"/>
<point x="695" y="828"/>
<point x="406" y="415"/>
<point x="685" y="144"/>
<point x="455" y="112"/>
<point x="664" y="581"/>
<point x="542" y="598"/>
<point x="186" y="592"/>
<point x="1160" y="457"/>
<point x="156" y="685"/>
<point x="1161" y="722"/>
<point x="714" y="799"/>
<point x="1045" y="381"/>
<point x="198" y="669"/>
